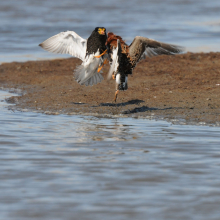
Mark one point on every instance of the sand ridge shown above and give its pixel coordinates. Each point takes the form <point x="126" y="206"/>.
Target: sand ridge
<point x="185" y="86"/>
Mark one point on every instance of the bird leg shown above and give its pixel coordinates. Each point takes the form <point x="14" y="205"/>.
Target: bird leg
<point x="101" y="54"/>
<point x="116" y="94"/>
<point x="113" y="76"/>
<point x="100" y="67"/>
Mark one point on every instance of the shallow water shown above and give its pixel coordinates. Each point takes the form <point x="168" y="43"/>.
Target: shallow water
<point x="77" y="167"/>
<point x="26" y="23"/>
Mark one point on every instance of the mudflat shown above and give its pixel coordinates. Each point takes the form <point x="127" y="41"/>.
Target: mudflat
<point x="185" y="86"/>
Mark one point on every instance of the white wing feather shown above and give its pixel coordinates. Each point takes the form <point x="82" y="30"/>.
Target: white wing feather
<point x="114" y="64"/>
<point x="86" y="73"/>
<point x="67" y="42"/>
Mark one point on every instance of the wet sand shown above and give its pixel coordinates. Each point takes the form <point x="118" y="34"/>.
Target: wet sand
<point x="185" y="86"/>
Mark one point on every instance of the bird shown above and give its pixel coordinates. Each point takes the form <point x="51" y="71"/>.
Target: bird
<point x="124" y="58"/>
<point x="92" y="51"/>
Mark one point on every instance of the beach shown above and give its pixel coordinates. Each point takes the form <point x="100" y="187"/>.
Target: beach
<point x="184" y="86"/>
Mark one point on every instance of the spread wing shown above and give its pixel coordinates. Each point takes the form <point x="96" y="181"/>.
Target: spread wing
<point x="145" y="46"/>
<point x="67" y="42"/>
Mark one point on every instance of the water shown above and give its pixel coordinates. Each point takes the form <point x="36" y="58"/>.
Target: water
<point x="77" y="167"/>
<point x="26" y="23"/>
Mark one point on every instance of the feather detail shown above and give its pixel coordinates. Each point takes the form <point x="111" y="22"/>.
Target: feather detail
<point x="67" y="42"/>
<point x="112" y="42"/>
<point x="142" y="46"/>
<point x="86" y="73"/>
<point x="115" y="52"/>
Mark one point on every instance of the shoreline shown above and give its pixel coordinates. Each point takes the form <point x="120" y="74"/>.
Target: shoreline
<point x="181" y="87"/>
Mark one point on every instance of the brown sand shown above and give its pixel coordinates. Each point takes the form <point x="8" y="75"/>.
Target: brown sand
<point x="185" y="86"/>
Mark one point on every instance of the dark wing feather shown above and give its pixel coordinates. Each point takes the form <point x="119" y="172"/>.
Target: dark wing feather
<point x="144" y="46"/>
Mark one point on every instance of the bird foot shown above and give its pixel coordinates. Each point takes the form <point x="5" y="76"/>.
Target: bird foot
<point x="100" y="67"/>
<point x="116" y="94"/>
<point x="113" y="76"/>
<point x="101" y="54"/>
<point x="105" y="61"/>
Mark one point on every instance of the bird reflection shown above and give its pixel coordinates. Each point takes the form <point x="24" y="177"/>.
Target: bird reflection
<point x="115" y="131"/>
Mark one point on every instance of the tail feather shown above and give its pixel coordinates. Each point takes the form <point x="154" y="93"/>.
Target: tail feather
<point x="93" y="80"/>
<point x="87" y="73"/>
<point x="121" y="82"/>
<point x="84" y="76"/>
<point x="78" y="74"/>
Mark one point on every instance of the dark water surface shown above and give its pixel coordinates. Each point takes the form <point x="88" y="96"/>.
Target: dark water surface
<point x="26" y="23"/>
<point x="77" y="167"/>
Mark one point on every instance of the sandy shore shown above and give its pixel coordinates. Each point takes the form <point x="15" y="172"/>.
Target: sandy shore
<point x="184" y="87"/>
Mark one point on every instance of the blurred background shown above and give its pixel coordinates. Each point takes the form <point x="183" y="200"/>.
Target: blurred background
<point x="26" y="23"/>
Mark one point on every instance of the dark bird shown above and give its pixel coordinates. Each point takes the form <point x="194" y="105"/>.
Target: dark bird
<point x="91" y="51"/>
<point x="124" y="58"/>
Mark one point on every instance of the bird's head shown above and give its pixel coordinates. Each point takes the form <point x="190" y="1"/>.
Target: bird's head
<point x="101" y="30"/>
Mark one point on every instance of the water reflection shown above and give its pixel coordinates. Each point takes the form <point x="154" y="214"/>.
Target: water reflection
<point x="116" y="131"/>
<point x="76" y="167"/>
